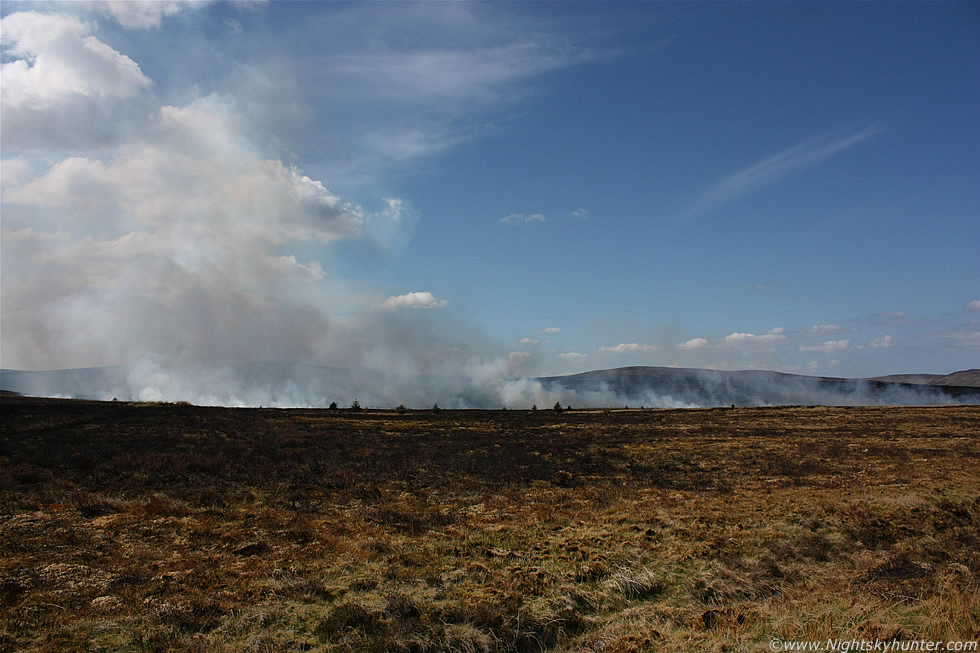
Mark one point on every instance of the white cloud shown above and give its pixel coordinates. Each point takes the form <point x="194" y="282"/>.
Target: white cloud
<point x="13" y="171"/>
<point x="520" y="218"/>
<point x="144" y="15"/>
<point x="883" y="342"/>
<point x="974" y="306"/>
<point x="822" y="329"/>
<point x="248" y="200"/>
<point x="424" y="76"/>
<point x="832" y="364"/>
<point x="694" y="343"/>
<point x="828" y="347"/>
<point x="773" y="337"/>
<point x="529" y="341"/>
<point x="630" y="348"/>
<point x="64" y="88"/>
<point x="475" y="75"/>
<point x="162" y="231"/>
<point x="399" y="143"/>
<point x="770" y="170"/>
<point x="581" y="214"/>
<point x="551" y="330"/>
<point x="573" y="356"/>
<point x="423" y="299"/>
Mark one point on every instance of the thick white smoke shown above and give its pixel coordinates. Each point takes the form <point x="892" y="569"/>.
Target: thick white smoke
<point x="154" y="237"/>
<point x="171" y="245"/>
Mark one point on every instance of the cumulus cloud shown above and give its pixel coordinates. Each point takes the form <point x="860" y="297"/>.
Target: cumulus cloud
<point x="772" y="337"/>
<point x="828" y="347"/>
<point x="974" y="306"/>
<point x="883" y="343"/>
<point x="694" y="343"/>
<point x="135" y="231"/>
<point x="628" y="348"/>
<point x="573" y="356"/>
<point x="529" y="341"/>
<point x="13" y="171"/>
<point x="65" y="89"/>
<point x="423" y="299"/>
<point x="736" y="339"/>
<point x="520" y="218"/>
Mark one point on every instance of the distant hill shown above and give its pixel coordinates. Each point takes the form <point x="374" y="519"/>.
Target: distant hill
<point x="289" y="384"/>
<point x="963" y="378"/>
<point x="701" y="387"/>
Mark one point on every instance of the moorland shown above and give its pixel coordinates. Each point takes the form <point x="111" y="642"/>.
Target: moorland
<point x="168" y="527"/>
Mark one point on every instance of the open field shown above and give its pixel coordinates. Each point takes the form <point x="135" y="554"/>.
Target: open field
<point x="172" y="527"/>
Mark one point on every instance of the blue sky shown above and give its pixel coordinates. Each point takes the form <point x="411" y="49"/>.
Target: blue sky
<point x="519" y="188"/>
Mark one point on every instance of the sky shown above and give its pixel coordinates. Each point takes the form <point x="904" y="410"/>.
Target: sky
<point x="513" y="189"/>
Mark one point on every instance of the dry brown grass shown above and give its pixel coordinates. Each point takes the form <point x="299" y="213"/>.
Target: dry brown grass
<point x="173" y="527"/>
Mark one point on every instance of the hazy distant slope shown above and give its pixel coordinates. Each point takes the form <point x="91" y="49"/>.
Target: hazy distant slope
<point x="963" y="378"/>
<point x="651" y="385"/>
<point x="289" y="384"/>
<point x="82" y="383"/>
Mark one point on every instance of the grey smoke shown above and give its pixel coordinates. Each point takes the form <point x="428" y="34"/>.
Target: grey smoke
<point x="480" y="386"/>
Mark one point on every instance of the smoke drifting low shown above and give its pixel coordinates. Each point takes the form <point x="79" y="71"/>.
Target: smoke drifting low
<point x="484" y="384"/>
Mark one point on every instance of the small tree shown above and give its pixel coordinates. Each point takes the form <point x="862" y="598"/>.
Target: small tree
<point x="401" y="409"/>
<point x="534" y="406"/>
<point x="356" y="406"/>
<point x="557" y="407"/>
<point x="435" y="408"/>
<point x="333" y="405"/>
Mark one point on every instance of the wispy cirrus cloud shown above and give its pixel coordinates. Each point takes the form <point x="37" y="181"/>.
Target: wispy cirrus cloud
<point x="822" y="329"/>
<point x="830" y="346"/>
<point x="419" y="80"/>
<point x="966" y="338"/>
<point x="762" y="173"/>
<point x="475" y="74"/>
<point x="522" y="218"/>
